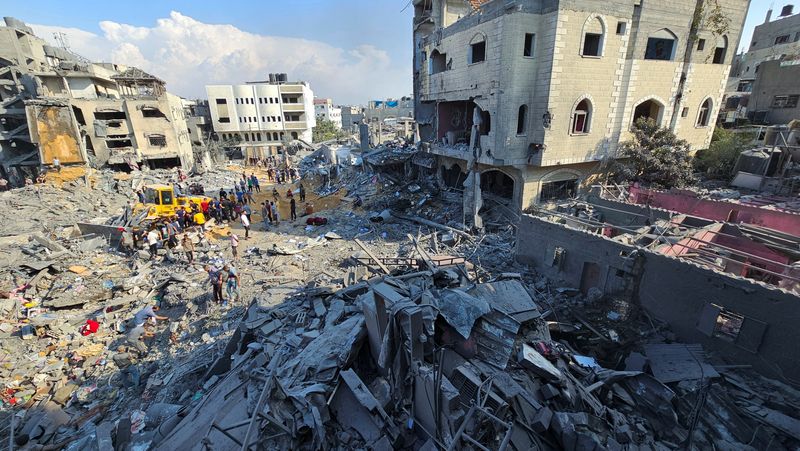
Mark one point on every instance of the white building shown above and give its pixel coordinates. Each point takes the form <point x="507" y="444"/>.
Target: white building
<point x="324" y="109"/>
<point x="263" y="115"/>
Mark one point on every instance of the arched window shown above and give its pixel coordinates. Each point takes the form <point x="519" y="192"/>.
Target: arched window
<point x="705" y="113"/>
<point x="477" y="49"/>
<point x="720" y="50"/>
<point x="650" y="109"/>
<point x="661" y="45"/>
<point x="594" y="32"/>
<point x="437" y="63"/>
<point x="521" y="118"/>
<point x="581" y="117"/>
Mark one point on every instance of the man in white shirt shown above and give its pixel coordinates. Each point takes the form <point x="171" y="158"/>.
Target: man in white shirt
<point x="152" y="240"/>
<point x="246" y="224"/>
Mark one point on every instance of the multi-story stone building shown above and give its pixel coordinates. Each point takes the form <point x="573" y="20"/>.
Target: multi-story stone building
<point x="773" y="40"/>
<point x="56" y="105"/>
<point x="262" y="116"/>
<point x="324" y="109"/>
<point x="522" y="99"/>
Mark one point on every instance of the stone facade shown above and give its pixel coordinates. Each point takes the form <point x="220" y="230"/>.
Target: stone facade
<point x="544" y="90"/>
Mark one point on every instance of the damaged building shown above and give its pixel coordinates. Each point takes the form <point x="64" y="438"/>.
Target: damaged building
<point x="720" y="273"/>
<point x="57" y="105"/>
<point x="522" y="100"/>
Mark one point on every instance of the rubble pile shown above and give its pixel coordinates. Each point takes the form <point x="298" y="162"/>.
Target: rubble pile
<point x="385" y="326"/>
<point x="432" y="360"/>
<point x="47" y="206"/>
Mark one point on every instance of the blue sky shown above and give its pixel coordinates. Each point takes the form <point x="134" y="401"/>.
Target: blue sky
<point x="352" y="51"/>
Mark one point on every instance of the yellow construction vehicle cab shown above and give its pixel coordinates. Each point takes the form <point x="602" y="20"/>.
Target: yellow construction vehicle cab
<point x="161" y="201"/>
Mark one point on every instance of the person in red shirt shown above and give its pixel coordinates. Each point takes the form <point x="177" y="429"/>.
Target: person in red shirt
<point x="204" y="207"/>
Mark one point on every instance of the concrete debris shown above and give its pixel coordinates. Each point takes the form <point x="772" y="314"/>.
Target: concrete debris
<point x="431" y="337"/>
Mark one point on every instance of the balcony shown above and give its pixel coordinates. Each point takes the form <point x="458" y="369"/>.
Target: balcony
<point x="296" y="125"/>
<point x="291" y="89"/>
<point x="294" y="107"/>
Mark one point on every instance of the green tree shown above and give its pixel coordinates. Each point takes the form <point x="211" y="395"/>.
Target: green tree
<point x="720" y="158"/>
<point x="655" y="156"/>
<point x="326" y="130"/>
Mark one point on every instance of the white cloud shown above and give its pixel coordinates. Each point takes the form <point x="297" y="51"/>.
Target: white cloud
<point x="189" y="54"/>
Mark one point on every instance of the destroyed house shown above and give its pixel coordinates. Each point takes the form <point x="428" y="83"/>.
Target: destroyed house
<point x="524" y="98"/>
<point x="57" y="105"/>
<point x="731" y="287"/>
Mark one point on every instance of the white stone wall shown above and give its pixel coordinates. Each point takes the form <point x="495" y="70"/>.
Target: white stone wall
<point x="257" y="115"/>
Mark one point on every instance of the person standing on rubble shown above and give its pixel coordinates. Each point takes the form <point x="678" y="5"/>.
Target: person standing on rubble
<point x="293" y="209"/>
<point x="248" y="211"/>
<point x="269" y="211"/>
<point x="127" y="361"/>
<point x="276" y="216"/>
<point x="152" y="241"/>
<point x="57" y="164"/>
<point x="244" y="218"/>
<point x="181" y="214"/>
<point x="249" y="184"/>
<point x="275" y="194"/>
<point x="302" y="193"/>
<point x="214" y="277"/>
<point x="234" y="245"/>
<point x="265" y="214"/>
<point x="232" y="283"/>
<point x="256" y="185"/>
<point x="199" y="220"/>
<point x="188" y="248"/>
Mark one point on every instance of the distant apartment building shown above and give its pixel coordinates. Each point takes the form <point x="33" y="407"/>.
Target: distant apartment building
<point x="262" y="116"/>
<point x="522" y="99"/>
<point x="776" y="100"/>
<point x="324" y="109"/>
<point x="56" y="105"/>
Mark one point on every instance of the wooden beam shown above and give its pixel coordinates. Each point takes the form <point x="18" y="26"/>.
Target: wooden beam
<point x="373" y="257"/>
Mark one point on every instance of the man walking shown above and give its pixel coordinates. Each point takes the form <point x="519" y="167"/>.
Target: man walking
<point x="293" y="209"/>
<point x="234" y="245"/>
<point x="246" y="224"/>
<point x="152" y="241"/>
<point x="215" y="279"/>
<point x="232" y="283"/>
<point x="188" y="248"/>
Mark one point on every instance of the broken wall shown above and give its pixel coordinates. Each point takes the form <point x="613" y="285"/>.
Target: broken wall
<point x="688" y="297"/>
<point x="53" y="128"/>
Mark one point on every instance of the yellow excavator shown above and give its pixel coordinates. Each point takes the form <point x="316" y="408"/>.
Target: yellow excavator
<point x="160" y="201"/>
